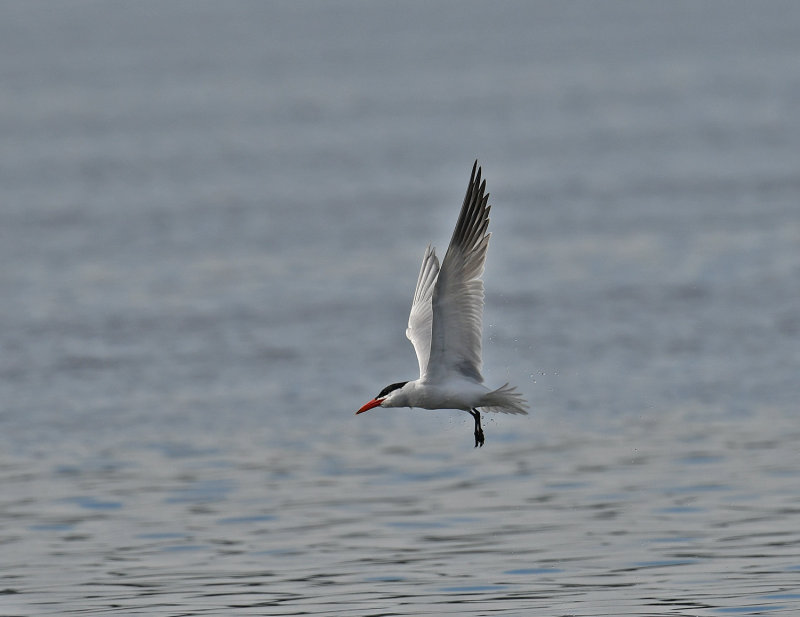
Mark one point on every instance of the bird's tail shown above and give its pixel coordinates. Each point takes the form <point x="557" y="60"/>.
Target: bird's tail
<point x="505" y="399"/>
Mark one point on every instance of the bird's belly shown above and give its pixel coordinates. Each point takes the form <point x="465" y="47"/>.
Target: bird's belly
<point x="459" y="396"/>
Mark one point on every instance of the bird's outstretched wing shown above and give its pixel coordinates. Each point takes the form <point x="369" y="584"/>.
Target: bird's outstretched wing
<point x="421" y="317"/>
<point x="457" y="300"/>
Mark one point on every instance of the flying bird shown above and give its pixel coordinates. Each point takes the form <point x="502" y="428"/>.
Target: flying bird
<point x="445" y="325"/>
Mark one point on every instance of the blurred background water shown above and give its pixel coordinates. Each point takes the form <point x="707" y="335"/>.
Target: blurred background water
<point x="211" y="221"/>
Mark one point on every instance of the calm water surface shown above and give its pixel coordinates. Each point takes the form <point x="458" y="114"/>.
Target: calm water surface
<point x="211" y="220"/>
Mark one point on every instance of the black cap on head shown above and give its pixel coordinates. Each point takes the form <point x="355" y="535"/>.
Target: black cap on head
<point x="391" y="388"/>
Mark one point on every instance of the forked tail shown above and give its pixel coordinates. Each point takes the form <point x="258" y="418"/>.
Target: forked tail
<point x="505" y="399"/>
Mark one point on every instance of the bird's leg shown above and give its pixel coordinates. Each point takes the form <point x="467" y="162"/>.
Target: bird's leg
<point x="478" y="429"/>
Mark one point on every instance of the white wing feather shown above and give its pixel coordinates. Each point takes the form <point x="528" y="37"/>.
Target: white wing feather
<point x="421" y="318"/>
<point x="457" y="299"/>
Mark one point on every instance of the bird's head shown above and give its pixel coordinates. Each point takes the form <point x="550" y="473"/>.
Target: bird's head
<point x="388" y="397"/>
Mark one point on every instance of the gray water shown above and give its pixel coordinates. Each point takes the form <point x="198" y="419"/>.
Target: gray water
<point x="211" y="221"/>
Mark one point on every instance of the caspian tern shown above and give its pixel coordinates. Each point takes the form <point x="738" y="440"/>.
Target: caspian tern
<point x="445" y="325"/>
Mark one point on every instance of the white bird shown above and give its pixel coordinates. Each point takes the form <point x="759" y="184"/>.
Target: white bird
<point x="445" y="325"/>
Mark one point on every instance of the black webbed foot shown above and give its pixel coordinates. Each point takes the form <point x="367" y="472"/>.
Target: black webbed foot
<point x="479" y="439"/>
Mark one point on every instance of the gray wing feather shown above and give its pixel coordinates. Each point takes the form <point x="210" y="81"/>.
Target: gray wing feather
<point x="457" y="301"/>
